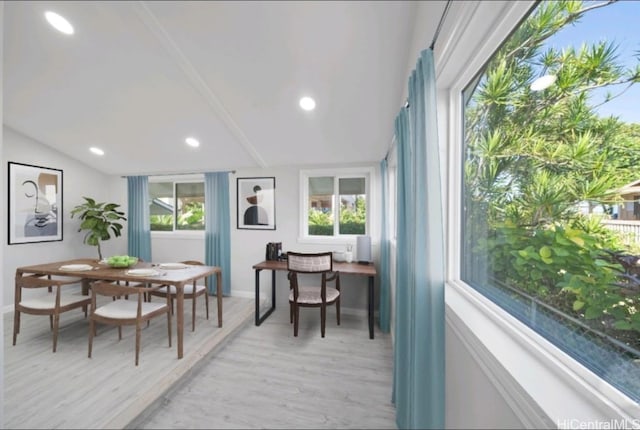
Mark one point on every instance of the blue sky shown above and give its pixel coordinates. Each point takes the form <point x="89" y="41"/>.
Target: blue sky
<point x="618" y="22"/>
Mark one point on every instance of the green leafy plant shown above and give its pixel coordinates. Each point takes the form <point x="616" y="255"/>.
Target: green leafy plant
<point x="352" y="219"/>
<point x="569" y="266"/>
<point x="192" y="217"/>
<point x="100" y="219"/>
<point x="534" y="158"/>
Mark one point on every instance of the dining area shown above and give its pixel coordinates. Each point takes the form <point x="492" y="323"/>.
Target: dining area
<point x="86" y="271"/>
<point x="100" y="386"/>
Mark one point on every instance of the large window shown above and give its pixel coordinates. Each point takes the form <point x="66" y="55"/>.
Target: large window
<point x="551" y="132"/>
<point x="335" y="204"/>
<point x="176" y="206"/>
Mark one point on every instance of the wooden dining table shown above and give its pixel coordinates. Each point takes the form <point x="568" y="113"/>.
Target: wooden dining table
<point x="101" y="271"/>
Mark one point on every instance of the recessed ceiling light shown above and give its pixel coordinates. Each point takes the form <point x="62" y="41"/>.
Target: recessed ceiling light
<point x="58" y="22"/>
<point x="96" y="151"/>
<point x="543" y="82"/>
<point x="192" y="142"/>
<point x="307" y="103"/>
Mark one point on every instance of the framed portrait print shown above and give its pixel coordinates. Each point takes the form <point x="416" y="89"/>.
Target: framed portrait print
<point x="35" y="204"/>
<point x="256" y="203"/>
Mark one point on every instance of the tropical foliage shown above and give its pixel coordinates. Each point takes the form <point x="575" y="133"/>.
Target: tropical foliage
<point x="533" y="156"/>
<point x="352" y="219"/>
<point x="190" y="218"/>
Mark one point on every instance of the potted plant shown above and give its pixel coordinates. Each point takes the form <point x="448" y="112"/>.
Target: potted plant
<point x="100" y="219"/>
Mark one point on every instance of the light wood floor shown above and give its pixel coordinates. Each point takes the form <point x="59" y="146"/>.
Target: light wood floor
<point x="263" y="377"/>
<point x="68" y="390"/>
<point x="240" y="376"/>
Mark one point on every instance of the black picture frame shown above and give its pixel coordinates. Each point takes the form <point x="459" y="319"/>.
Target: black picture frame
<point x="35" y="204"/>
<point x="256" y="203"/>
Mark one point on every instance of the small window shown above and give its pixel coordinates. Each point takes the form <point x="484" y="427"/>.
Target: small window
<point x="334" y="204"/>
<point x="176" y="206"/>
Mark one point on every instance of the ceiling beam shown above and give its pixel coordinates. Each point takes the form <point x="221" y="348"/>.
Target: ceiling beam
<point x="196" y="80"/>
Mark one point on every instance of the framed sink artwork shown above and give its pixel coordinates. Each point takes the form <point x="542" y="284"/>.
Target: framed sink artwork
<point x="256" y="203"/>
<point x="35" y="204"/>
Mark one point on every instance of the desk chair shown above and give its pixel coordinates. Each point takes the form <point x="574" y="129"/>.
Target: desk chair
<point x="315" y="295"/>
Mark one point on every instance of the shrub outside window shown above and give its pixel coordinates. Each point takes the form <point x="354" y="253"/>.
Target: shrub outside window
<point x="176" y="206"/>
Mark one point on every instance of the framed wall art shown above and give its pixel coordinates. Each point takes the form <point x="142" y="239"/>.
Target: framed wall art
<point x="35" y="204"/>
<point x="256" y="203"/>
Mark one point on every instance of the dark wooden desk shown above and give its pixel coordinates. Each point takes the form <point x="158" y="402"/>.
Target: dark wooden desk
<point x="178" y="278"/>
<point x="368" y="270"/>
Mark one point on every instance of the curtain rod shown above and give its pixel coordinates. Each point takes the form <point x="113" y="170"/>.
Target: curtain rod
<point x="180" y="174"/>
<point x="442" y="18"/>
<point x="433" y="43"/>
<point x="435" y="36"/>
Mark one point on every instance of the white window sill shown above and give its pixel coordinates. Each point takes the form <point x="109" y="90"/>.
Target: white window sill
<point x="567" y="392"/>
<point x="329" y="240"/>
<point x="190" y="235"/>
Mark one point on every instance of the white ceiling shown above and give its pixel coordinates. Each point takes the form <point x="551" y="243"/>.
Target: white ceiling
<point x="137" y="78"/>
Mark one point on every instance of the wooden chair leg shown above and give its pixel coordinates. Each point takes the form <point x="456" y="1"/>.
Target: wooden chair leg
<point x="169" y="322"/>
<point x="92" y="331"/>
<point x="291" y="312"/>
<point x="169" y="327"/>
<point x="193" y="312"/>
<point x="323" y="319"/>
<point x="206" y="302"/>
<point x="56" y="323"/>
<point x="138" y="330"/>
<point x="296" y="318"/>
<point x="338" y="310"/>
<point x="16" y="325"/>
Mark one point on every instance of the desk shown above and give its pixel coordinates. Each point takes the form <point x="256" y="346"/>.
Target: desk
<point x="368" y="270"/>
<point x="176" y="277"/>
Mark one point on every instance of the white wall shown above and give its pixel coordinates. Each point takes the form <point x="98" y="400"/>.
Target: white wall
<point x="472" y="399"/>
<point x="78" y="180"/>
<point x="3" y="219"/>
<point x="248" y="246"/>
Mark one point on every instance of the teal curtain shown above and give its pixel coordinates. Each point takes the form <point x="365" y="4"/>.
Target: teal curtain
<point x="218" y="228"/>
<point x="385" y="278"/>
<point x="138" y="223"/>
<point x="419" y="366"/>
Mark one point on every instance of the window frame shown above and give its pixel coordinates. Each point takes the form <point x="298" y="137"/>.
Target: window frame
<point x="337" y="173"/>
<point x="175" y="233"/>
<point x="543" y="385"/>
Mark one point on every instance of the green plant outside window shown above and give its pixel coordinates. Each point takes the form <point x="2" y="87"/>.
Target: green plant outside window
<point x="351" y="194"/>
<point x="176" y="206"/>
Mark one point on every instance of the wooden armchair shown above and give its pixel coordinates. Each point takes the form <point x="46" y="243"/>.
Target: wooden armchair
<point x="191" y="292"/>
<point x="318" y="295"/>
<point x="51" y="302"/>
<point x="122" y="311"/>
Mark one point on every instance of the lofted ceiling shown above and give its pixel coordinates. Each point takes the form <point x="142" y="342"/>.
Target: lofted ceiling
<point x="137" y="78"/>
